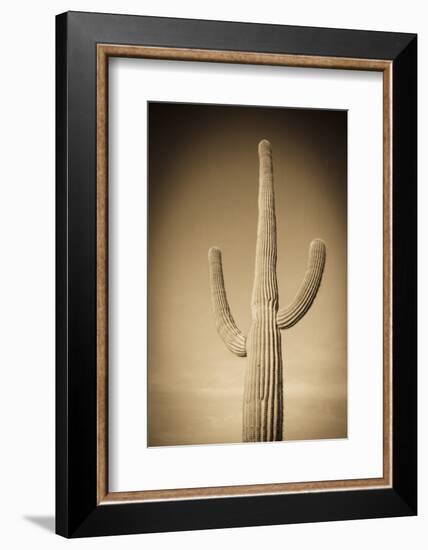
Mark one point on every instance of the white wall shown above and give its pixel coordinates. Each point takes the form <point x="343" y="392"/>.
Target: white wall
<point x="27" y="271"/>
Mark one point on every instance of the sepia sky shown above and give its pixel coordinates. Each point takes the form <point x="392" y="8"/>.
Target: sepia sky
<point x="203" y="185"/>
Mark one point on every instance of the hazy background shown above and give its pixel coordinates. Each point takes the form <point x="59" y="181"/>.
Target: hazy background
<point x="203" y="185"/>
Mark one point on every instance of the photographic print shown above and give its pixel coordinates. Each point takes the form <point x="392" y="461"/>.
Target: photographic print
<point x="247" y="274"/>
<point x="234" y="246"/>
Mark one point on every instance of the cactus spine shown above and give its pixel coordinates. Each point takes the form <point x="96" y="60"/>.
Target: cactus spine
<point x="263" y="392"/>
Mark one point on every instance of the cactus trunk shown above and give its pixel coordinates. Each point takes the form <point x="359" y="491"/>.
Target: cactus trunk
<point x="262" y="413"/>
<point x="263" y="392"/>
<point x="263" y="409"/>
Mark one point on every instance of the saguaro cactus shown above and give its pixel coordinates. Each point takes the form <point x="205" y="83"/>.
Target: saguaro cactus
<point x="263" y="392"/>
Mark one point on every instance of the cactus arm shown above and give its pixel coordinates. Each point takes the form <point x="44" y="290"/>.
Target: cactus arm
<point x="233" y="338"/>
<point x="289" y="316"/>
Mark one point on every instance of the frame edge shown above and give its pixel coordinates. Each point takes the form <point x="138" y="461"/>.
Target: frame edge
<point x="61" y="267"/>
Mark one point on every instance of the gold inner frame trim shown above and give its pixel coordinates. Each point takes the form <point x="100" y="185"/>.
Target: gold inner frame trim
<point x="104" y="51"/>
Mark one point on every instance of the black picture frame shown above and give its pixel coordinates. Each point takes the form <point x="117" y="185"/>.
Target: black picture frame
<point x="77" y="511"/>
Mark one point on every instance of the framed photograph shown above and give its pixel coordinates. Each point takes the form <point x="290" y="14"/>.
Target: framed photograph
<point x="236" y="274"/>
